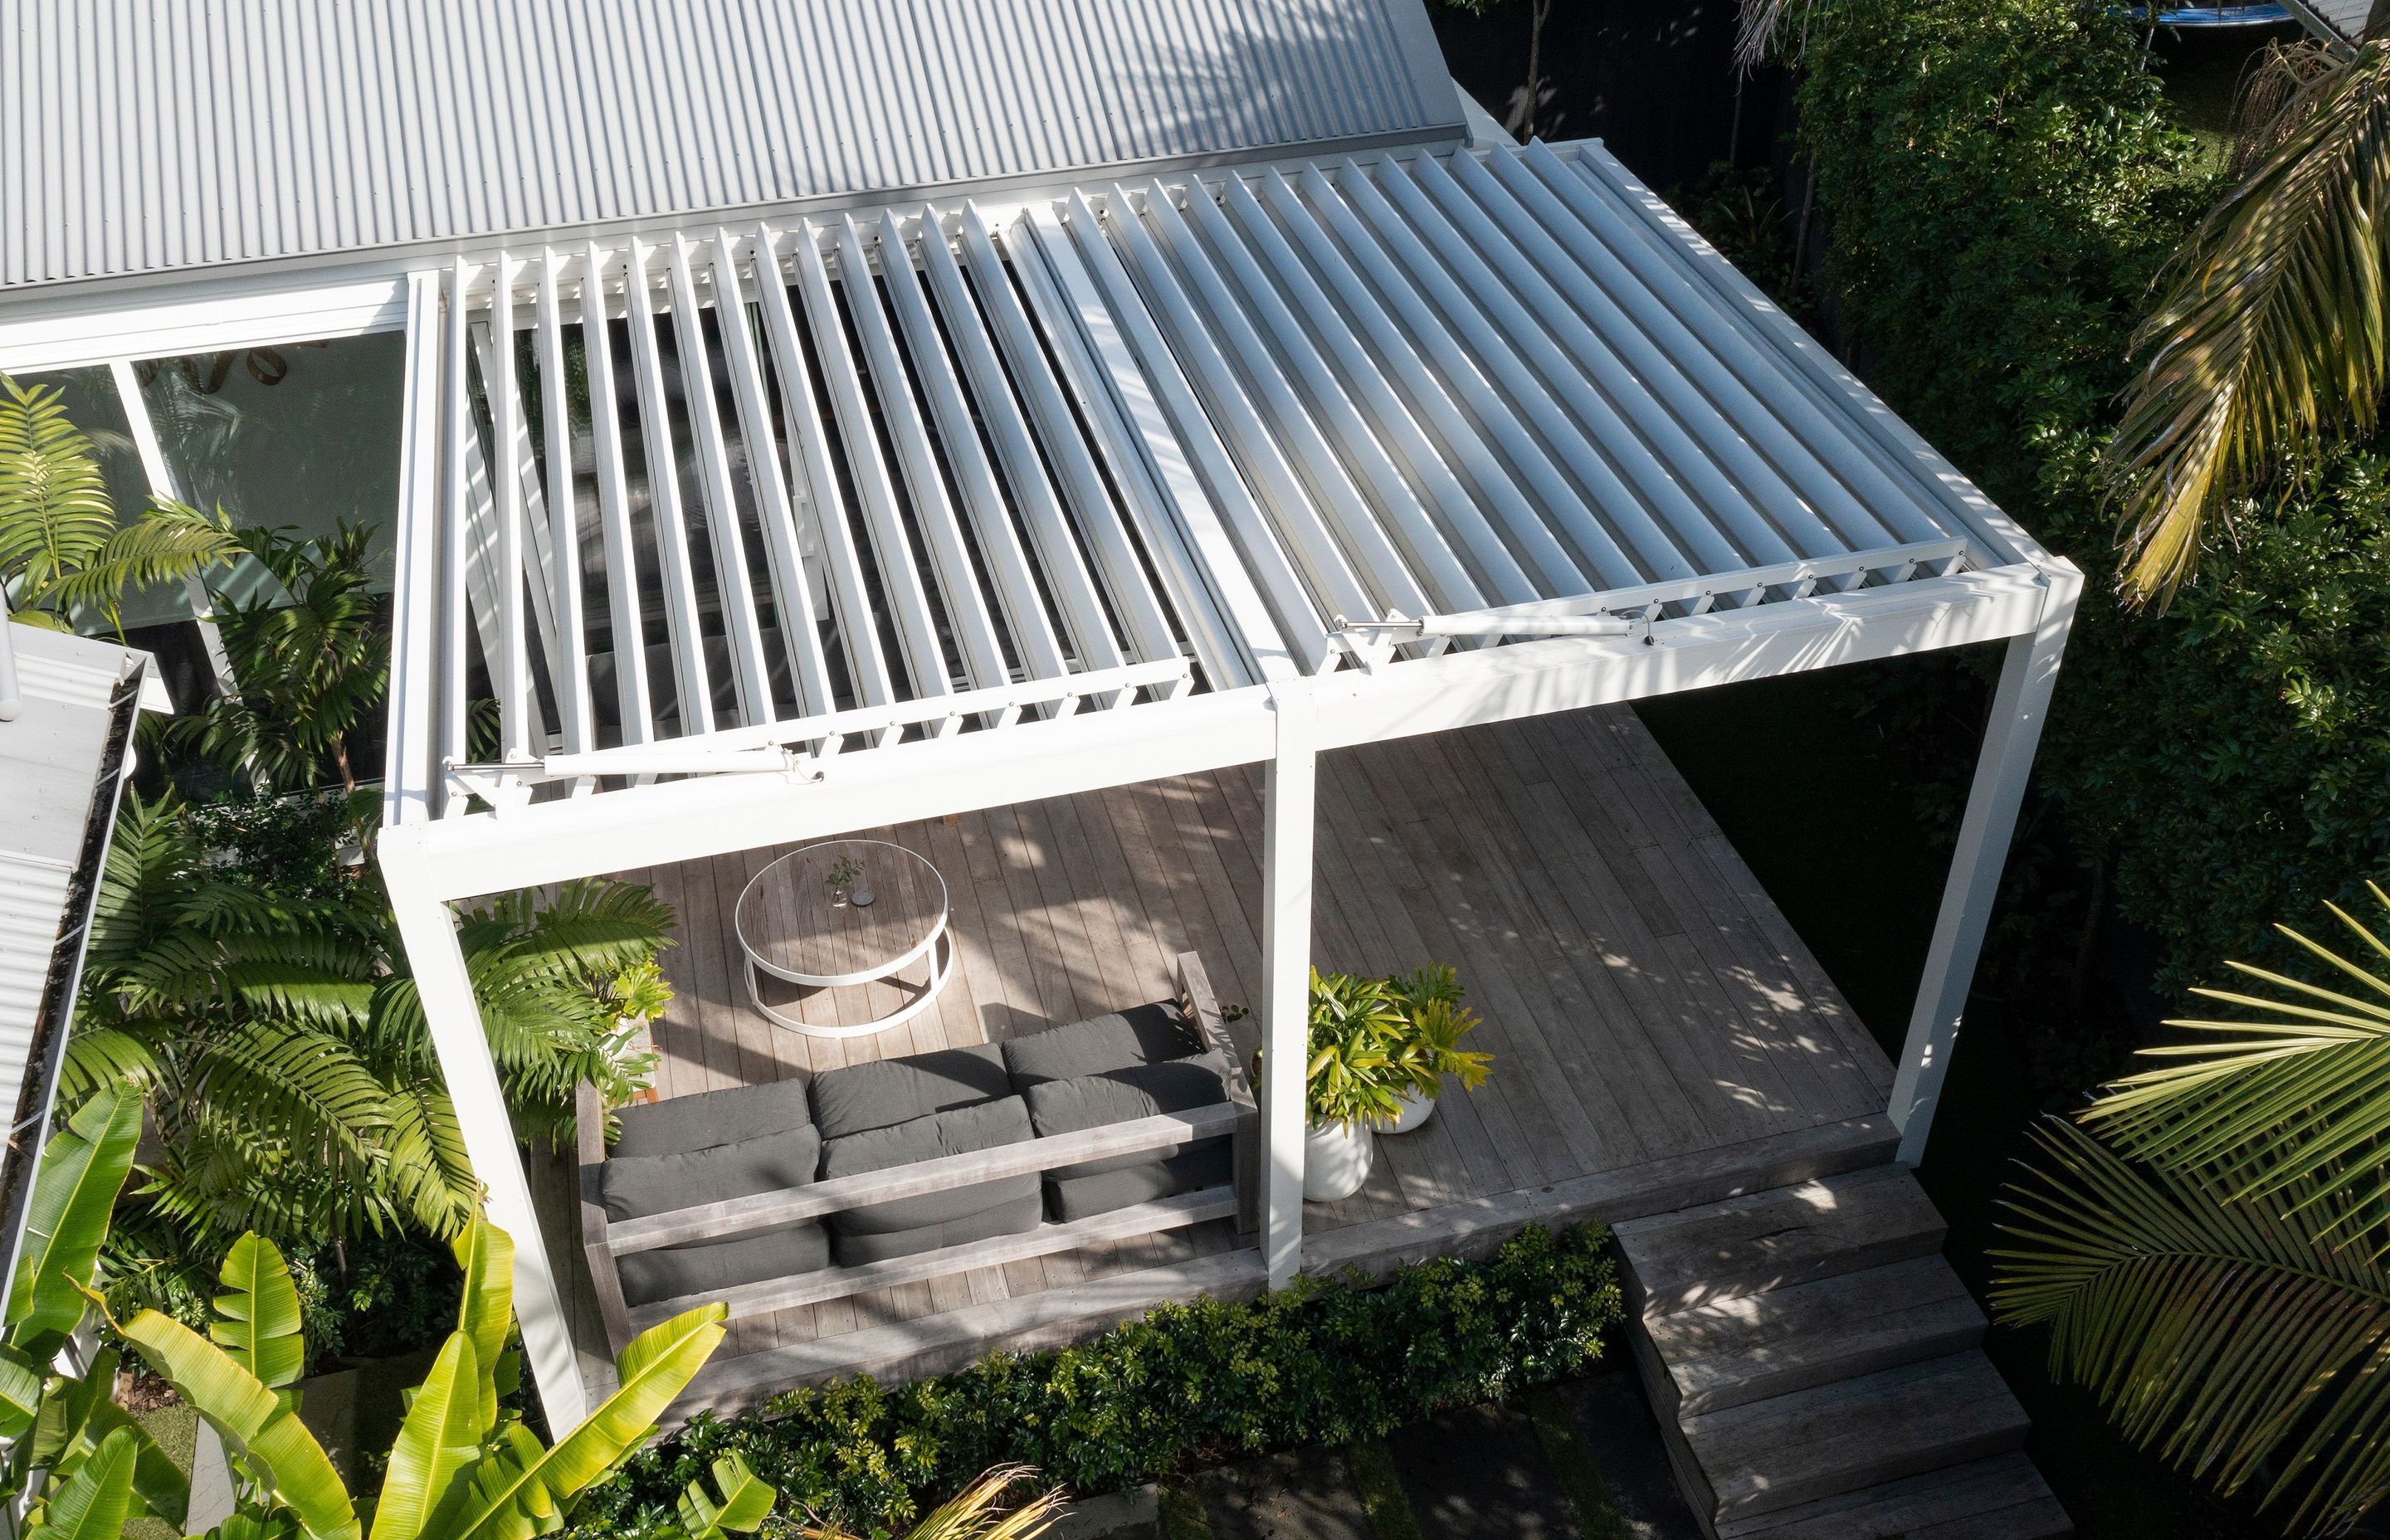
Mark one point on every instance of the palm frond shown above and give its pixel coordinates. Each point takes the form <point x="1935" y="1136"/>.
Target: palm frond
<point x="167" y="544"/>
<point x="2295" y="1097"/>
<point x="2270" y="333"/>
<point x="2229" y="1338"/>
<point x="1772" y="29"/>
<point x="55" y="514"/>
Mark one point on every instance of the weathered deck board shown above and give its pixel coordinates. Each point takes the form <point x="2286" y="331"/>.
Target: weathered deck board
<point x="1646" y="1004"/>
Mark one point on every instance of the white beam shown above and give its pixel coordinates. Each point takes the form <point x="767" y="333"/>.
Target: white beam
<point x="692" y="819"/>
<point x="408" y="774"/>
<point x="510" y="669"/>
<point x="750" y="671"/>
<point x="568" y="655"/>
<point x="429" y="931"/>
<point x="1289" y="810"/>
<point x="695" y="695"/>
<point x="462" y="447"/>
<point x="2028" y="674"/>
<point x="623" y="601"/>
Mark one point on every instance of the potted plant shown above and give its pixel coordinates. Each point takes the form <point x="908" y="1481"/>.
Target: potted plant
<point x="1430" y="1020"/>
<point x="639" y="995"/>
<point x="1352" y="1082"/>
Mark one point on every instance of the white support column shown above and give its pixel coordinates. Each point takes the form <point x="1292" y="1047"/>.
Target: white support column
<point x="1289" y="811"/>
<point x="437" y="957"/>
<point x="2027" y="676"/>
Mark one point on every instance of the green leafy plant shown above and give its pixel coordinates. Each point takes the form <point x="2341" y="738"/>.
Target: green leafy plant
<point x="1432" y="1017"/>
<point x="310" y="664"/>
<point x="71" y="1461"/>
<point x="282" y="1047"/>
<point x="62" y="545"/>
<point x="640" y="992"/>
<point x="464" y="1467"/>
<point x="1186" y="1384"/>
<point x="2209" y="1255"/>
<point x="1352" y="1076"/>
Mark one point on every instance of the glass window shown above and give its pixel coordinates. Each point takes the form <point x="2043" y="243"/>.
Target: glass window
<point x="300" y="434"/>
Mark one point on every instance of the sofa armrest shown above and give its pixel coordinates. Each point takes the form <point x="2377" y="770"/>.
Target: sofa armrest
<point x="1202" y="1008"/>
<point x="589" y="1162"/>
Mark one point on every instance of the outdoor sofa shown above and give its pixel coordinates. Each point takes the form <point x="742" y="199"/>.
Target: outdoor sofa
<point x="904" y="1168"/>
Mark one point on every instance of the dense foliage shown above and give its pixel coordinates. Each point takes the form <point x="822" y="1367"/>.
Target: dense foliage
<point x="2002" y="181"/>
<point x="1188" y="1383"/>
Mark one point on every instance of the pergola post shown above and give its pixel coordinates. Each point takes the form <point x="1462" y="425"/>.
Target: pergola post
<point x="2028" y="674"/>
<point x="1289" y="811"/>
<point x="429" y="931"/>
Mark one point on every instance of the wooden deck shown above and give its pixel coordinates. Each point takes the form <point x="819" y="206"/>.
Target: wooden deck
<point x="1659" y="1033"/>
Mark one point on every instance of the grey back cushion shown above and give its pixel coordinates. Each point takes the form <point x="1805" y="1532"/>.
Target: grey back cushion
<point x="1124" y="1096"/>
<point x="880" y="1095"/>
<point x="1142" y="1034"/>
<point x="957" y="1131"/>
<point x="640" y="1184"/>
<point x="711" y="1118"/>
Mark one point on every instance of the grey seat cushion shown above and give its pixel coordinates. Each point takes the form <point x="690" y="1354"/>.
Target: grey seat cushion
<point x="957" y="1131"/>
<point x="1141" y="1035"/>
<point x="1121" y="1096"/>
<point x="712" y="1266"/>
<point x="638" y="1184"/>
<point x="711" y="1117"/>
<point x="880" y="1095"/>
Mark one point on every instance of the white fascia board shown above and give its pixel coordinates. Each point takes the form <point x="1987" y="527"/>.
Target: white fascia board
<point x="176" y="320"/>
<point x="704" y="816"/>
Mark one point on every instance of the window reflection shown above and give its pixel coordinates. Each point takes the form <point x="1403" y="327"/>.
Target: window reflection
<point x="303" y="434"/>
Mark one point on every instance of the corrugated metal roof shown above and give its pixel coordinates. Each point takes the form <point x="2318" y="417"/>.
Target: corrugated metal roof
<point x="60" y="762"/>
<point x="186" y="132"/>
<point x="1204" y="415"/>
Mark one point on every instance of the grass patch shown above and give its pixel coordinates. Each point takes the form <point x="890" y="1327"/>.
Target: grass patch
<point x="1574" y="1467"/>
<point x="1380" y="1485"/>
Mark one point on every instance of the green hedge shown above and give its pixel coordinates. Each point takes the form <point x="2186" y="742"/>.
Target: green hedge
<point x="1186" y="1385"/>
<point x="2002" y="180"/>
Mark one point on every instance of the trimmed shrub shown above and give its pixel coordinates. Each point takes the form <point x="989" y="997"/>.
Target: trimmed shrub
<point x="1186" y="1385"/>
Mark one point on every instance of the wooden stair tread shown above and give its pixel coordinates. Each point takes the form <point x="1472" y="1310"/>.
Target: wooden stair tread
<point x="2000" y="1499"/>
<point x="1779" y="1238"/>
<point x="1754" y="1346"/>
<point x="1767" y="1455"/>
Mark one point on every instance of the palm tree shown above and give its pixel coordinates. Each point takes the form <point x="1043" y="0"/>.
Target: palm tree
<point x="2269" y="335"/>
<point x="2208" y="1246"/>
<point x="309" y="668"/>
<point x="290" y="1077"/>
<point x="61" y="546"/>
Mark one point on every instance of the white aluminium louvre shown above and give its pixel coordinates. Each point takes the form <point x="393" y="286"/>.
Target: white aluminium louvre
<point x="824" y="468"/>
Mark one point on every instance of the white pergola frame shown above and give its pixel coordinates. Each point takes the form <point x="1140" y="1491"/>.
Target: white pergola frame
<point x="1468" y="452"/>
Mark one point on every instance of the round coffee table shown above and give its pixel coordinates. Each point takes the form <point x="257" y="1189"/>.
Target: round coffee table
<point x="793" y="925"/>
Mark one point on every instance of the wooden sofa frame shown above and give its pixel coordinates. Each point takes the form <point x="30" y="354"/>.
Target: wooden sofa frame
<point x="604" y="1241"/>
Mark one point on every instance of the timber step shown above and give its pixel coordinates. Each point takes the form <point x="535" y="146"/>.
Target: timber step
<point x="2000" y="1499"/>
<point x="1820" y="1443"/>
<point x="1815" y="1363"/>
<point x="1774" y="1239"/>
<point x="1731" y="1351"/>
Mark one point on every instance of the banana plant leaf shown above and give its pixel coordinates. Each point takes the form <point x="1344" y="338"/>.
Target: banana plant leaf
<point x="745" y="1502"/>
<point x="93" y="1503"/>
<point x="258" y="1323"/>
<point x="440" y="1439"/>
<point x="518" y="1490"/>
<point x="486" y="1315"/>
<point x="81" y="1172"/>
<point x="246" y="1410"/>
<point x="21" y="1393"/>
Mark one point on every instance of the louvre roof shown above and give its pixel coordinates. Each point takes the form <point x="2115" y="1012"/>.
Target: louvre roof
<point x="179" y="136"/>
<point x="973" y="464"/>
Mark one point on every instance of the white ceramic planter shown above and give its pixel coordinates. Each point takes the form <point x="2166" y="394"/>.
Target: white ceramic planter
<point x="1416" y="1110"/>
<point x="1335" y="1161"/>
